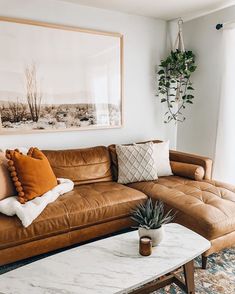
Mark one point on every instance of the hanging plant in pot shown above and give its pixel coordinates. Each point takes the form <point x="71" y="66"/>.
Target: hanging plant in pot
<point x="175" y="87"/>
<point x="150" y="219"/>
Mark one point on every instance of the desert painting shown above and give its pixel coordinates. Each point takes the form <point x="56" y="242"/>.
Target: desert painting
<point x="58" y="79"/>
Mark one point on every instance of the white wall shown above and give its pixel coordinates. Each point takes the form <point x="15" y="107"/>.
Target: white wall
<point x="198" y="133"/>
<point x="144" y="46"/>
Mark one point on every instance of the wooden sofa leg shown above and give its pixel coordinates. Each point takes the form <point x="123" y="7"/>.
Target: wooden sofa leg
<point x="204" y="262"/>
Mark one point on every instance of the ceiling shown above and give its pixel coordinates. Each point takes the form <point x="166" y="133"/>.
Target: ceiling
<point x="163" y="9"/>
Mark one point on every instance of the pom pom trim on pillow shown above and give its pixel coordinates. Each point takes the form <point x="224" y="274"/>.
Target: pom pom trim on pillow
<point x="14" y="176"/>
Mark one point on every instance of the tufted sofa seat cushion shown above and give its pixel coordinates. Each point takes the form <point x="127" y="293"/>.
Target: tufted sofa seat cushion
<point x="206" y="207"/>
<point x="52" y="221"/>
<point x="85" y="206"/>
<point x="100" y="202"/>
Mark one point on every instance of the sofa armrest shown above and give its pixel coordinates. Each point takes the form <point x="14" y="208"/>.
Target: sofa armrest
<point x="205" y="162"/>
<point x="188" y="170"/>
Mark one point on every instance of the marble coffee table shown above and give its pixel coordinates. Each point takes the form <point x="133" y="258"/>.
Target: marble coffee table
<point x="111" y="265"/>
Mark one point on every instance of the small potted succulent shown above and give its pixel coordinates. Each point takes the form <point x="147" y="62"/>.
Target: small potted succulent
<point x="150" y="219"/>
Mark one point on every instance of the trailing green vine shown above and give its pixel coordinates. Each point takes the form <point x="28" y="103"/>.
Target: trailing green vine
<point x="174" y="84"/>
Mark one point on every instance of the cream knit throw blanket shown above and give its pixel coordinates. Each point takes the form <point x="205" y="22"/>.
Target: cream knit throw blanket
<point x="29" y="211"/>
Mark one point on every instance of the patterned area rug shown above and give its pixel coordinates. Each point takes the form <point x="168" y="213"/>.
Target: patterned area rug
<point x="219" y="278"/>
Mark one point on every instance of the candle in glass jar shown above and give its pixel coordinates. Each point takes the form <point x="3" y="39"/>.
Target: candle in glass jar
<point x="145" y="246"/>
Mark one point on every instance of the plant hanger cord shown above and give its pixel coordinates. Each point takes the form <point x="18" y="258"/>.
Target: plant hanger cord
<point x="179" y="45"/>
<point x="179" y="42"/>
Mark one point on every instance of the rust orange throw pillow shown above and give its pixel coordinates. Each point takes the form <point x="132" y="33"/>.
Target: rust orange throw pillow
<point x="32" y="174"/>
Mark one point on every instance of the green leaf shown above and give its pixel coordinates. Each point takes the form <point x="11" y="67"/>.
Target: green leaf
<point x="190" y="96"/>
<point x="168" y="84"/>
<point x="192" y="68"/>
<point x="190" y="88"/>
<point x="161" y="72"/>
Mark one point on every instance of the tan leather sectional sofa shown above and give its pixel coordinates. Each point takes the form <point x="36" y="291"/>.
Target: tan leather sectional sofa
<point x="98" y="205"/>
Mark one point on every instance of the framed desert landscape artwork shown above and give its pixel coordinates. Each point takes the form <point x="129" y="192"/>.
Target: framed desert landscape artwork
<point x="56" y="78"/>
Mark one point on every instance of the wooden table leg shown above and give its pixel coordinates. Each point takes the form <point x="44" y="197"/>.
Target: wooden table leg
<point x="189" y="277"/>
<point x="204" y="262"/>
<point x="186" y="284"/>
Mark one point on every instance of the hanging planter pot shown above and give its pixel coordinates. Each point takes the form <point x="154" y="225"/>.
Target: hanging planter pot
<point x="174" y="85"/>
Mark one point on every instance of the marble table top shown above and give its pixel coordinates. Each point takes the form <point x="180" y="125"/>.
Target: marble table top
<point x="111" y="265"/>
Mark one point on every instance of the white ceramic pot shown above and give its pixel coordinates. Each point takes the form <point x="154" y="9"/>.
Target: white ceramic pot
<point x="156" y="235"/>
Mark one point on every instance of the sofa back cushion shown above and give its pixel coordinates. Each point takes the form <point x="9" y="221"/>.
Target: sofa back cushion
<point x="82" y="166"/>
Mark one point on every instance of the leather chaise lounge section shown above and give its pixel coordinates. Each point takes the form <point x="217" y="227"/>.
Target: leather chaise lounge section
<point x="201" y="204"/>
<point x="98" y="205"/>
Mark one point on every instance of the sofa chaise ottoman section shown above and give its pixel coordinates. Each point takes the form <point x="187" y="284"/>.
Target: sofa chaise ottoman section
<point x="206" y="207"/>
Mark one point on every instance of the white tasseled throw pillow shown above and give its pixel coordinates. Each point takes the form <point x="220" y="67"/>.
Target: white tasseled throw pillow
<point x="136" y="163"/>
